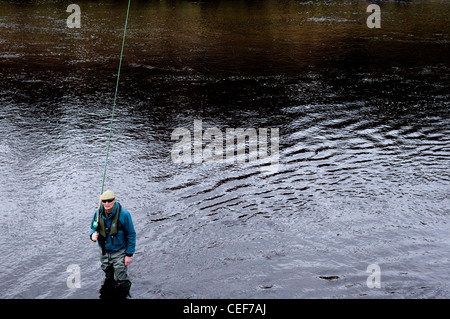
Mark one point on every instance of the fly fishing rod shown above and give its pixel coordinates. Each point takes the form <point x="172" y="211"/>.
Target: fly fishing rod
<point x="95" y="224"/>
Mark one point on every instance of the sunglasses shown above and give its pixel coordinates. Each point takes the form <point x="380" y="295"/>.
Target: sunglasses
<point x="108" y="200"/>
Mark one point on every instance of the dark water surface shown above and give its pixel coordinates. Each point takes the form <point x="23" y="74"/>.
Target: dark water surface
<point x="364" y="147"/>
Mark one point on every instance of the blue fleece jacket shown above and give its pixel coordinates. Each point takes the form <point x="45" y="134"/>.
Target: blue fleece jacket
<point x="126" y="235"/>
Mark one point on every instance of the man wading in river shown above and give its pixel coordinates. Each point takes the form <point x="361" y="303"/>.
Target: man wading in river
<point x="117" y="239"/>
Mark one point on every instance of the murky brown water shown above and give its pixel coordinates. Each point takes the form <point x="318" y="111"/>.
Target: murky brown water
<point x="363" y="119"/>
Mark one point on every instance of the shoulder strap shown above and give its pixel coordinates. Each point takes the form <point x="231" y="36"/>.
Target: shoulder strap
<point x="101" y="223"/>
<point x="115" y="221"/>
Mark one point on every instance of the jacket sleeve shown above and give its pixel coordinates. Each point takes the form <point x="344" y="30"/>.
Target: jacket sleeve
<point x="130" y="234"/>
<point x="92" y="224"/>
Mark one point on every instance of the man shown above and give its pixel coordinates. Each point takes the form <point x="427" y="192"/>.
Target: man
<point x="116" y="237"/>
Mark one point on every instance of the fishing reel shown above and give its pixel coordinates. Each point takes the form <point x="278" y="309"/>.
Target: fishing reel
<point x="95" y="225"/>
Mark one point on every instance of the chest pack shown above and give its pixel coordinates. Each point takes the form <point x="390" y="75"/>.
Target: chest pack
<point x="103" y="230"/>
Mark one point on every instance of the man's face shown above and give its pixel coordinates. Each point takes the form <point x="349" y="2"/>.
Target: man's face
<point x="109" y="205"/>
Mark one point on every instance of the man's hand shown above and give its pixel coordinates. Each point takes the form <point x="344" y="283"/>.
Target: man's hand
<point x="94" y="236"/>
<point x="127" y="260"/>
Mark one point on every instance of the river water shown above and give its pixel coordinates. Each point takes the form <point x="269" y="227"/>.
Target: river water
<point x="362" y="174"/>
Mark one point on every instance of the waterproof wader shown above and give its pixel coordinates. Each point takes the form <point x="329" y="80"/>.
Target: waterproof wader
<point x="117" y="283"/>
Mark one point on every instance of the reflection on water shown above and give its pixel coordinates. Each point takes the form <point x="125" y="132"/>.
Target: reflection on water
<point x="363" y="118"/>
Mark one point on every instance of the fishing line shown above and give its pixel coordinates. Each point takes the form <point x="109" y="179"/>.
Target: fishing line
<point x="114" y="106"/>
<point x="115" y="97"/>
